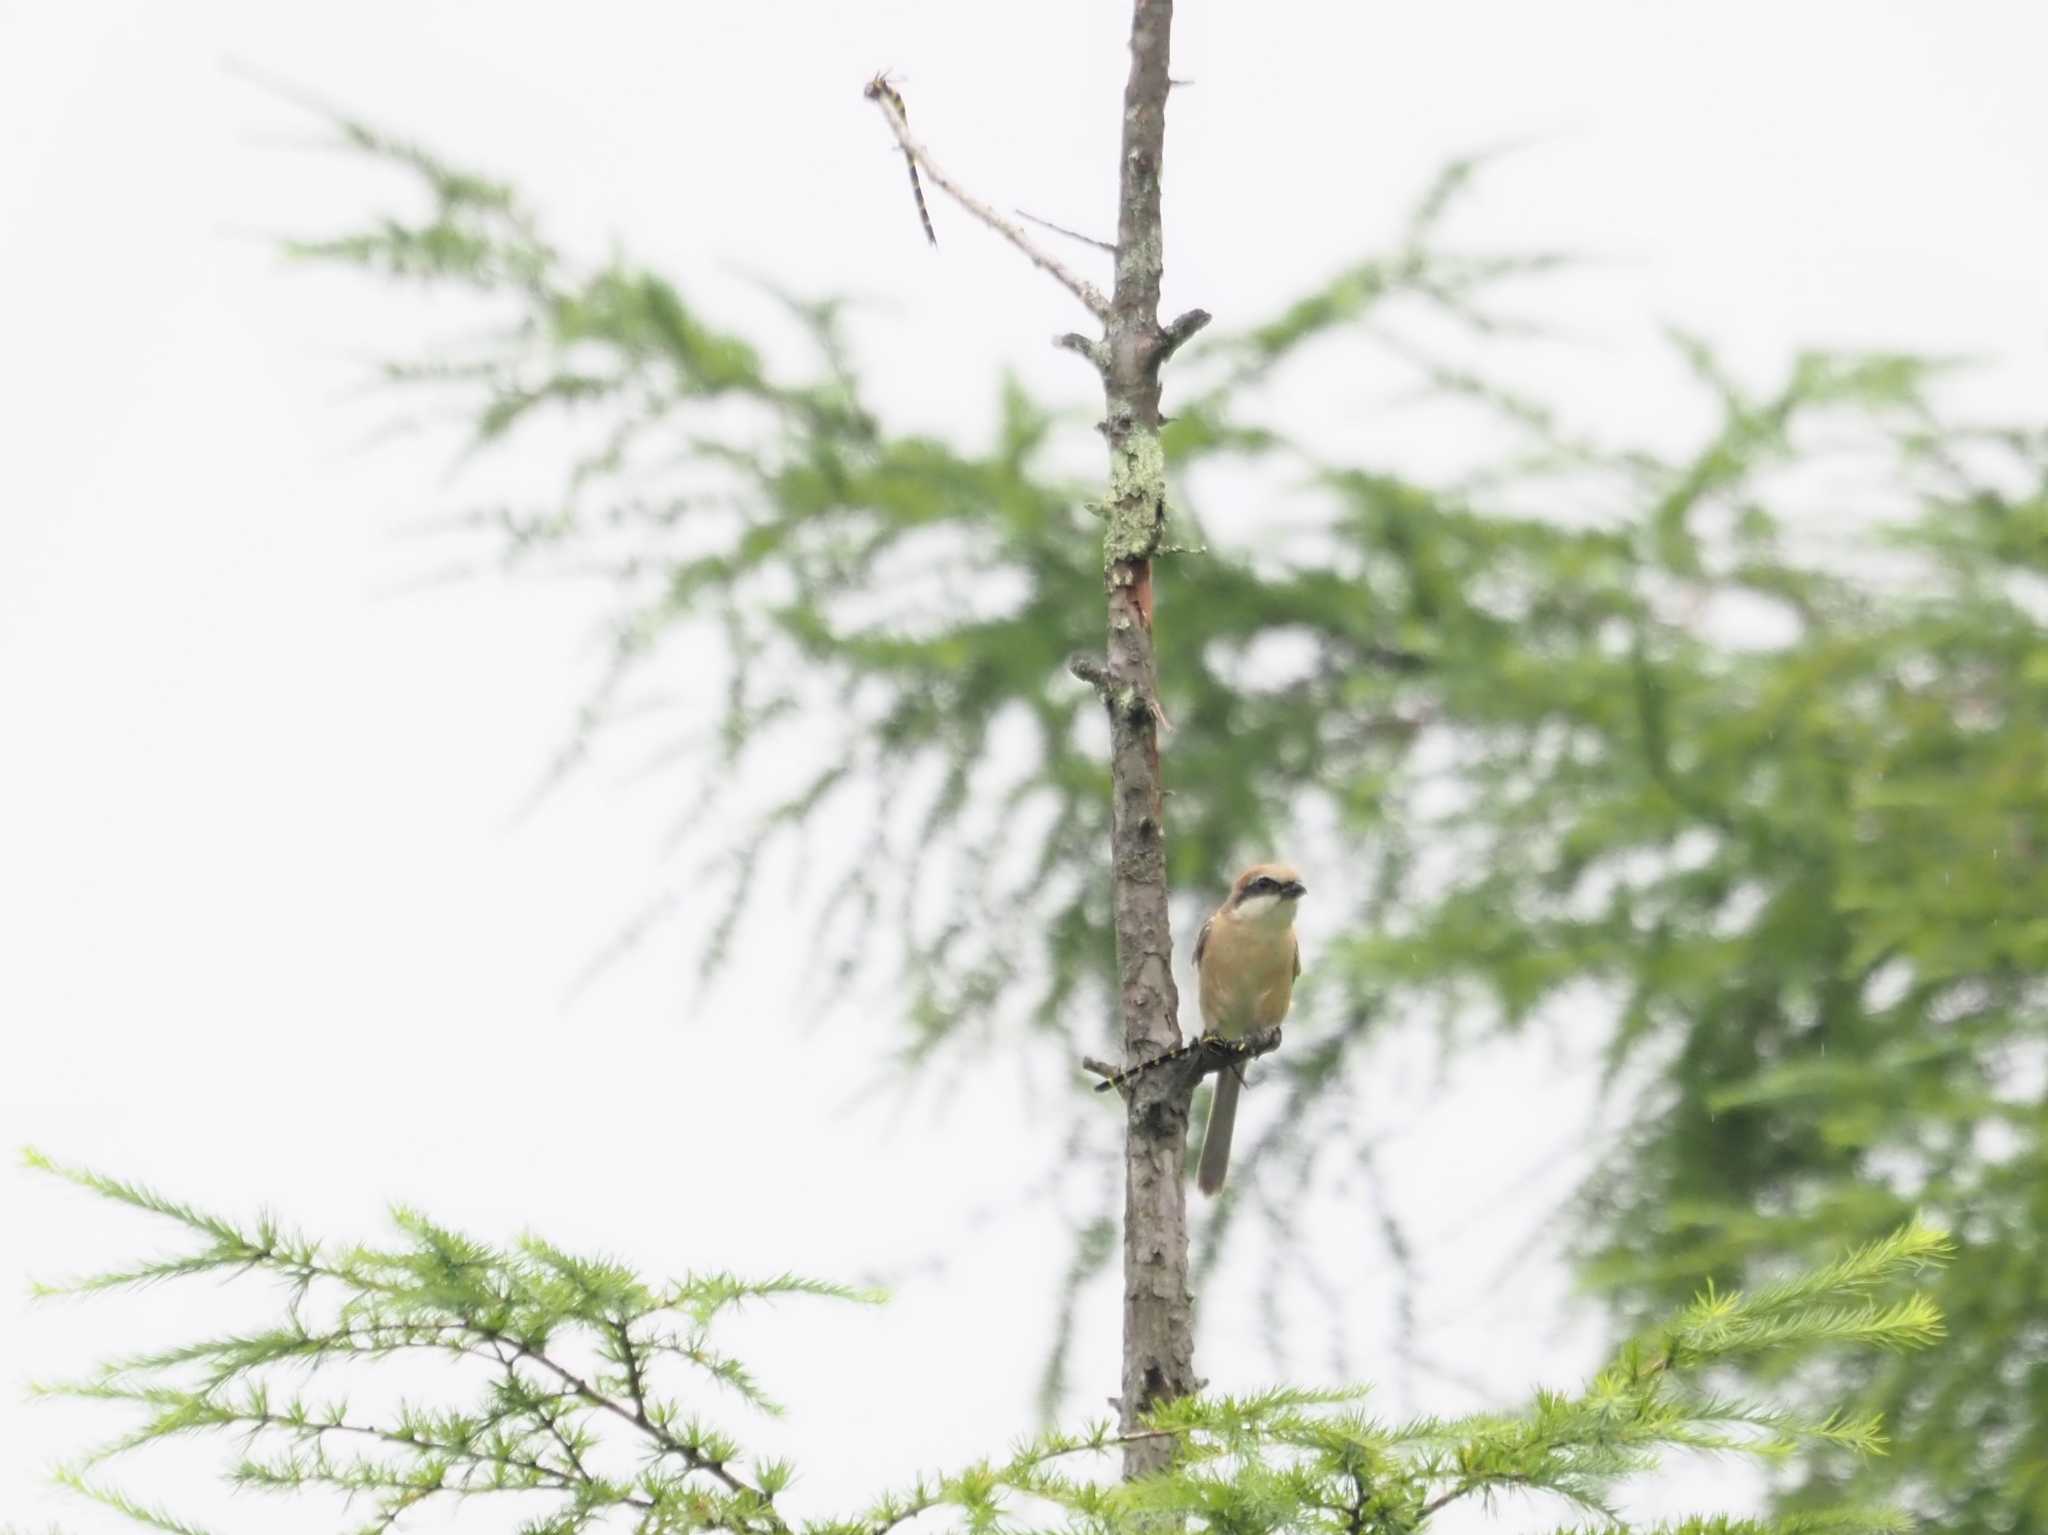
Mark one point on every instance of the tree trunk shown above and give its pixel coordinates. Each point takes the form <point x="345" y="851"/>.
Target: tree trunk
<point x="1159" y="1351"/>
<point x="1159" y="1356"/>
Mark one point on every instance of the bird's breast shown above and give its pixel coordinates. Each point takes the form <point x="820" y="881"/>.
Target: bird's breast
<point x="1247" y="976"/>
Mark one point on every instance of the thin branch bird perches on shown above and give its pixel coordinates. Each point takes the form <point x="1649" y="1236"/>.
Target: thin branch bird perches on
<point x="1211" y="1052"/>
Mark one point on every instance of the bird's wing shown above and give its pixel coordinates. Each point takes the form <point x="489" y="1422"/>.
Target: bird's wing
<point x="1297" y="958"/>
<point x="1202" y="939"/>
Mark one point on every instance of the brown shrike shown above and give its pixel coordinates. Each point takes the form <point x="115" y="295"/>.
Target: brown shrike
<point x="1246" y="960"/>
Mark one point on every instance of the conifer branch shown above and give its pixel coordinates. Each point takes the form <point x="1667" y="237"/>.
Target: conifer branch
<point x="1284" y="1458"/>
<point x="1494" y="598"/>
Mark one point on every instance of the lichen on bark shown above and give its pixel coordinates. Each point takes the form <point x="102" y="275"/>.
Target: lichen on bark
<point x="1137" y="497"/>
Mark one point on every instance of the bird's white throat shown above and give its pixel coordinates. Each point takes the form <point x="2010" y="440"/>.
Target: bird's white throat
<point x="1267" y="910"/>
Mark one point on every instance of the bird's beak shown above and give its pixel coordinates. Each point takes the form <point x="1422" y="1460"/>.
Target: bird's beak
<point x="1294" y="890"/>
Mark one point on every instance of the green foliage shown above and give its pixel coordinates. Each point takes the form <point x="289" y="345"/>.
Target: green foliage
<point x="1738" y="748"/>
<point x="588" y="1398"/>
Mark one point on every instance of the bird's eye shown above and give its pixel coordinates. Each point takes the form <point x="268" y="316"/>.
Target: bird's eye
<point x="1262" y="883"/>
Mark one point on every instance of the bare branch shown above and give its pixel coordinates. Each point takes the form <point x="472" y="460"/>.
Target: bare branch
<point x="1101" y="1069"/>
<point x="1071" y="234"/>
<point x="1091" y="669"/>
<point x="1087" y="346"/>
<point x="1181" y="331"/>
<point x="1194" y="1060"/>
<point x="1079" y="286"/>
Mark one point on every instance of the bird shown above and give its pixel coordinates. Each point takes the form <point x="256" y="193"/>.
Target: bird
<point x="1246" y="961"/>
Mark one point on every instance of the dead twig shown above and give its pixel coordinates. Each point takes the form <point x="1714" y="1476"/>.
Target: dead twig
<point x="879" y="92"/>
<point x="1071" y="234"/>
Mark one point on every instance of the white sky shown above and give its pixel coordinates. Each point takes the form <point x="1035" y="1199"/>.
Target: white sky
<point x="271" y="926"/>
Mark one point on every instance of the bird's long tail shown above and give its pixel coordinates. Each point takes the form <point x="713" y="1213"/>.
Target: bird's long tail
<point x="1216" y="1139"/>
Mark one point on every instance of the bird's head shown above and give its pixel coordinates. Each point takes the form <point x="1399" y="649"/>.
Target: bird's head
<point x="1267" y="892"/>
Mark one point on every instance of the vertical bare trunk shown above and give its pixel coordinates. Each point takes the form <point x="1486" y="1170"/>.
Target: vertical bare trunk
<point x="1158" y="1330"/>
<point x="1159" y="1362"/>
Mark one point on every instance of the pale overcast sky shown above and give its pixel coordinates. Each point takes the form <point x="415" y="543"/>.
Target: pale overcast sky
<point x="272" y="927"/>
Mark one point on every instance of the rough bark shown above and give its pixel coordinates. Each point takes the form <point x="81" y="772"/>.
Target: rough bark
<point x="1158" y="1362"/>
<point x="1159" y="1351"/>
